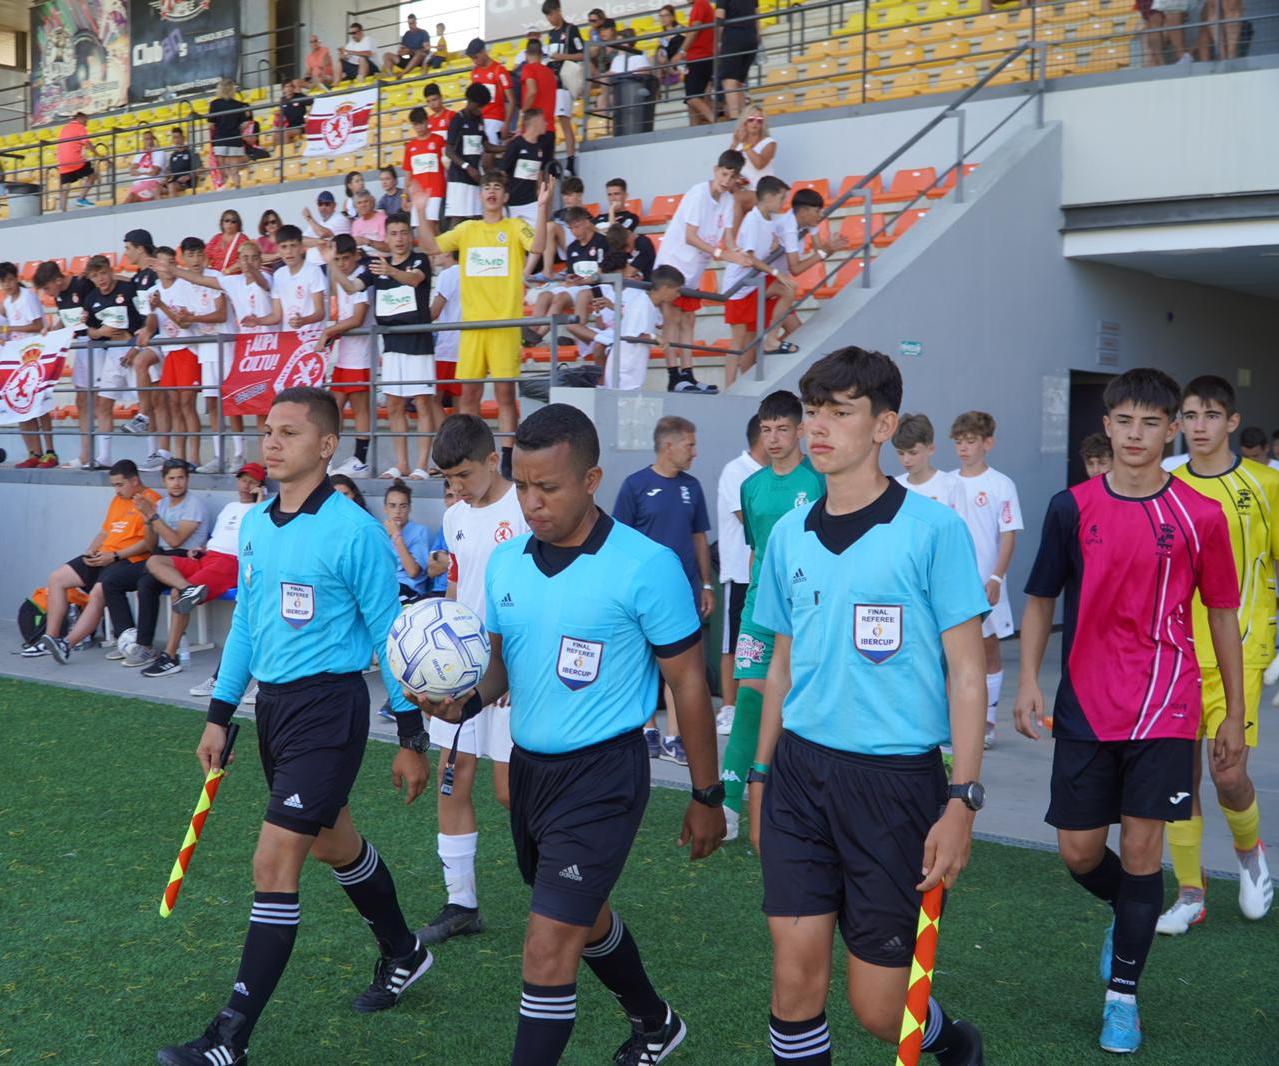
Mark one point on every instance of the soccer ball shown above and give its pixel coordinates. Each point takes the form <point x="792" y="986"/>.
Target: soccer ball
<point x="438" y="648"/>
<point x="127" y="641"/>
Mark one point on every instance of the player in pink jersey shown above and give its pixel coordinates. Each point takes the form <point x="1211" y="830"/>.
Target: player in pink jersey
<point x="1129" y="549"/>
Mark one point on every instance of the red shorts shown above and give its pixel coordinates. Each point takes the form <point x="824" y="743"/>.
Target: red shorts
<point x="688" y="303"/>
<point x="745" y="311"/>
<point x="217" y="571"/>
<point x="446" y="370"/>
<point x="181" y="369"/>
<point x="349" y="379"/>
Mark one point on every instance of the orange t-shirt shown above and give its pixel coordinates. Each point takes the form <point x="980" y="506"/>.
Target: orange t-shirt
<point x="425" y="164"/>
<point x="439" y="124"/>
<point x="72" y="143"/>
<point x="124" y="524"/>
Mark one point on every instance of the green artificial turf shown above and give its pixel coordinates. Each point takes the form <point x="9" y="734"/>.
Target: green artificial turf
<point x="95" y="793"/>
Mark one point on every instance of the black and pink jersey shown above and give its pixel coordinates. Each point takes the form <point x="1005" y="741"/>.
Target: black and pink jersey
<point x="1129" y="569"/>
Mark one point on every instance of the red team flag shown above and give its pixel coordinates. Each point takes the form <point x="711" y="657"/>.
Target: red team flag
<point x="30" y="368"/>
<point x="339" y="124"/>
<point x="268" y="363"/>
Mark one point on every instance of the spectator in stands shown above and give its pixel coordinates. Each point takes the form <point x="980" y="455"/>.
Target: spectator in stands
<point x="227" y="116"/>
<point x="464" y="147"/>
<point x="615" y="212"/>
<point x="268" y="225"/>
<point x="524" y="161"/>
<point x="124" y="536"/>
<point x="197" y="575"/>
<point x="223" y="249"/>
<point x="540" y="89"/>
<point x="181" y="372"/>
<point x="1222" y="40"/>
<point x="146" y="362"/>
<point x="1174" y="19"/>
<point x="446" y="306"/>
<point x="351" y="356"/>
<point x="208" y="316"/>
<point x="112" y="316"/>
<point x="641" y="316"/>
<point x="392" y="199"/>
<point x="183" y="169"/>
<point x="415" y="47"/>
<point x="699" y="64"/>
<point x="631" y="64"/>
<point x="438" y="116"/>
<point x="349" y="489"/>
<point x="558" y="236"/>
<point x="678" y="519"/>
<point x="415" y="566"/>
<point x="499" y="112"/>
<point x="69" y="293"/>
<point x="24" y="314"/>
<point x="441" y="56"/>
<point x="290" y="119"/>
<point x="738" y="43"/>
<point x="73" y="166"/>
<point x="353" y="183"/>
<point x="368" y="228"/>
<point x="670" y="48"/>
<point x="566" y="50"/>
<point x="299" y="291"/>
<point x="319" y="66"/>
<point x="759" y="150"/>
<point x="147" y="168"/>
<point x="328" y="225"/>
<point x="424" y="164"/>
<point x="640" y="254"/>
<point x="357" y="54"/>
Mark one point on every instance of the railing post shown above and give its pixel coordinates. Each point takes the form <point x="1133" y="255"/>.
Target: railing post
<point x="959" y="117"/>
<point x="374" y="367"/>
<point x="716" y="37"/>
<point x="868" y="220"/>
<point x="554" y="335"/>
<point x="221" y="454"/>
<point x="93" y="408"/>
<point x="761" y="299"/>
<point x="614" y="375"/>
<point x="865" y="50"/>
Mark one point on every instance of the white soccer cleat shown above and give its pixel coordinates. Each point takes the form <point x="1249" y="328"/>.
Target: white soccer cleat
<point x="1256" y="888"/>
<point x="1187" y="911"/>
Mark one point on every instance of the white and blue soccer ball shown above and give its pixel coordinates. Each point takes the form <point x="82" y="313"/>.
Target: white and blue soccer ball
<point x="438" y="648"/>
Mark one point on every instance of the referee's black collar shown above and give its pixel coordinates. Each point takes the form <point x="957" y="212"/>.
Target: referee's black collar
<point x="838" y="533"/>
<point x="553" y="559"/>
<point x="311" y="505"/>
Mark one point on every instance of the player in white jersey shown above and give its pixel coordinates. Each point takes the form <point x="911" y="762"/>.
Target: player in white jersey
<point x="916" y="446"/>
<point x="988" y="503"/>
<point x="446" y="306"/>
<point x="349" y="377"/>
<point x="487" y="514"/>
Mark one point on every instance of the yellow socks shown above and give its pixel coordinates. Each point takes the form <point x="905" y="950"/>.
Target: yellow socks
<point x="1245" y="826"/>
<point x="1184" y="841"/>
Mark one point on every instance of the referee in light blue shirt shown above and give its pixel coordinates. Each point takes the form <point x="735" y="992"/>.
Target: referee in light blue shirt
<point x="317" y="593"/>
<point x="874" y="596"/>
<point x="583" y="615"/>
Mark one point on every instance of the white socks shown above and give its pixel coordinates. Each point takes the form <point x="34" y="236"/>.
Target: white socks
<point x="457" y="855"/>
<point x="102" y="444"/>
<point x="994" y="684"/>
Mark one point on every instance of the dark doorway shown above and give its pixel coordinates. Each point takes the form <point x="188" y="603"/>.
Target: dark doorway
<point x="287" y="53"/>
<point x="1086" y="413"/>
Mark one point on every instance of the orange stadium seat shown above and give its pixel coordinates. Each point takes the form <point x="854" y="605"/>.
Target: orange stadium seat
<point x="904" y="222"/>
<point x="845" y="274"/>
<point x="821" y="186"/>
<point x="661" y="211"/>
<point x="908" y="184"/>
<point x="853" y="230"/>
<point x="948" y="182"/>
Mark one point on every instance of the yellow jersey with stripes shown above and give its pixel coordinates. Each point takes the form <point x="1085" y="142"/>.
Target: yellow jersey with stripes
<point x="1249" y="496"/>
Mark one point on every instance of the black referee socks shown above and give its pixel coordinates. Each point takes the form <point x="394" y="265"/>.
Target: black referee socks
<point x="1141" y="897"/>
<point x="1103" y="879"/>
<point x="273" y="927"/>
<point x="615" y="960"/>
<point x="804" y="1043"/>
<point x="370" y="887"/>
<point x="547" y="1014"/>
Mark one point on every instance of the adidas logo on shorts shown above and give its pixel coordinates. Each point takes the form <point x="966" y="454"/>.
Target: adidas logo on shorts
<point x="294" y="801"/>
<point x="572" y="873"/>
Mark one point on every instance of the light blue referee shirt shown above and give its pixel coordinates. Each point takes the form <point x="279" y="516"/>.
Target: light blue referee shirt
<point x="581" y="631"/>
<point x="317" y="593"/>
<point x="865" y="598"/>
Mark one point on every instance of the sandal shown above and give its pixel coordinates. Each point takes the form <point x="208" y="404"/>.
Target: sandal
<point x="390" y="474"/>
<point x="784" y="348"/>
<point x="418" y="475"/>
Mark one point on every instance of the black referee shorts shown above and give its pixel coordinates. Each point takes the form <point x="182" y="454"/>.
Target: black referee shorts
<point x="843" y="834"/>
<point x="1096" y="782"/>
<point x="734" y="602"/>
<point x="574" y="817"/>
<point x="311" y="738"/>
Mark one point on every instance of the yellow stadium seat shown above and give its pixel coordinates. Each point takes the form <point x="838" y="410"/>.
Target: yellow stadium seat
<point x="965" y="8"/>
<point x="906" y="58"/>
<point x="951" y="52"/>
<point x="906" y="83"/>
<point x="1064" y="14"/>
<point x="779" y="102"/>
<point x="1109" y="57"/>
<point x="886" y="17"/>
<point x="1094" y="30"/>
<point x="980" y="26"/>
<point x="820" y="96"/>
<point x="816" y="72"/>
<point x="957" y="78"/>
<point x="854" y="24"/>
<point x="1017" y="21"/>
<point x="815" y="53"/>
<point x="780" y="76"/>
<point x="1015" y="72"/>
<point x="1062" y="62"/>
<point x="885" y="41"/>
<point x="936" y="32"/>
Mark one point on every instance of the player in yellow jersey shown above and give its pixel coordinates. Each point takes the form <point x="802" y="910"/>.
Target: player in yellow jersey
<point x="1248" y="492"/>
<point x="491" y="251"/>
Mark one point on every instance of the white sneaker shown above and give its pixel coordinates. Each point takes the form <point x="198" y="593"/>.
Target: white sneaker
<point x="154" y="461"/>
<point x="204" y="689"/>
<point x="139" y="423"/>
<point x="250" y="697"/>
<point x="733" y="821"/>
<point x="351" y="468"/>
<point x="213" y="466"/>
<point x="989" y="741"/>
<point x="1187" y="911"/>
<point x="724" y="720"/>
<point x="1256" y="889"/>
<point x="75" y="464"/>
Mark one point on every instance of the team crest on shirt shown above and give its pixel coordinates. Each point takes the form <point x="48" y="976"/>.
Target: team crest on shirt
<point x="1165" y="539"/>
<point x="877" y="630"/>
<point x="1006" y="513"/>
<point x="801" y="499"/>
<point x="503" y="532"/>
<point x="297" y="603"/>
<point x="579" y="663"/>
<point x="501" y="237"/>
<point x="981" y="499"/>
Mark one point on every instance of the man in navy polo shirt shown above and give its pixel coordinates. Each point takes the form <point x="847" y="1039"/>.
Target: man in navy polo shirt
<point x="666" y="503"/>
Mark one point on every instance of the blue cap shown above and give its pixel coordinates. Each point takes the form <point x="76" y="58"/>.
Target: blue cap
<point x="325" y="197"/>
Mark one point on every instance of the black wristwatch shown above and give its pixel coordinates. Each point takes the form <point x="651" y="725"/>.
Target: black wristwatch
<point x="419" y="742"/>
<point x="710" y="797"/>
<point x="972" y="795"/>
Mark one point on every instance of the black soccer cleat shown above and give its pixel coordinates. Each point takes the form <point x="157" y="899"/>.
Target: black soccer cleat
<point x="651" y="1047"/>
<point x="219" y="1046"/>
<point x="391" y="979"/>
<point x="973" y="1038"/>
<point x="453" y="920"/>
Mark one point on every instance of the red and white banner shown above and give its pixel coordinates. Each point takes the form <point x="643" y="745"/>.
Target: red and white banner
<point x="339" y="124"/>
<point x="30" y="367"/>
<point x="266" y="364"/>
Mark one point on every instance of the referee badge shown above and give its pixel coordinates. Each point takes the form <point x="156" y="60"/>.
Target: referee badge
<point x="877" y="630"/>
<point x="579" y="663"/>
<point x="297" y="603"/>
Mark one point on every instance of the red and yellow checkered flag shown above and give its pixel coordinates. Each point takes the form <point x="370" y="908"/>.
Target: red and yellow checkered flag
<point x="202" y="806"/>
<point x="915" y="1016"/>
